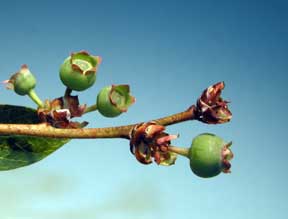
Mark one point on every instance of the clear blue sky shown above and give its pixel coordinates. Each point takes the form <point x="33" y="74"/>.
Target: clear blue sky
<point x="168" y="51"/>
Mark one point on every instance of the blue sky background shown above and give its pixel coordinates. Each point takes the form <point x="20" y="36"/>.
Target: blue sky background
<point x="168" y="51"/>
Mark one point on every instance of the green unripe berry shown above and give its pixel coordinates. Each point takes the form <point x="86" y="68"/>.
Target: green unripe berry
<point x="78" y="71"/>
<point x="114" y="100"/>
<point x="22" y="82"/>
<point x="209" y="155"/>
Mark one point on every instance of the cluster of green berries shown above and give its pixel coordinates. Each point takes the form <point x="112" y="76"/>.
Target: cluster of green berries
<point x="209" y="155"/>
<point x="78" y="72"/>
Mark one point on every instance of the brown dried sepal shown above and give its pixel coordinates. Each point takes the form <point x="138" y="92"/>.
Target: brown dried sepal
<point x="77" y="68"/>
<point x="227" y="155"/>
<point x="72" y="103"/>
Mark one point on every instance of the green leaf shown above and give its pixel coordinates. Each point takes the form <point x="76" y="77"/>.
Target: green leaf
<point x="20" y="151"/>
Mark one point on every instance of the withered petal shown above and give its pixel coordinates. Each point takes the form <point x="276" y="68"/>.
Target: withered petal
<point x="142" y="158"/>
<point x="153" y="129"/>
<point x="166" y="139"/>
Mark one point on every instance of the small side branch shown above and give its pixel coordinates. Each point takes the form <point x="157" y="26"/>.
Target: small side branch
<point x="189" y="114"/>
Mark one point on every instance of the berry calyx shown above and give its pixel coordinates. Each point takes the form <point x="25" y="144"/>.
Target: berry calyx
<point x="114" y="100"/>
<point x="78" y="71"/>
<point x="209" y="155"/>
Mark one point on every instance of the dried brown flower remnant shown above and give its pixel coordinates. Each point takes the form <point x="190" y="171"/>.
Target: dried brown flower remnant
<point x="59" y="111"/>
<point x="212" y="109"/>
<point x="227" y="155"/>
<point x="148" y="140"/>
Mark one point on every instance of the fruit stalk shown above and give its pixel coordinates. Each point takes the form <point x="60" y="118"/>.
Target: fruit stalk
<point x="91" y="108"/>
<point x="179" y="150"/>
<point x="33" y="96"/>
<point x="68" y="92"/>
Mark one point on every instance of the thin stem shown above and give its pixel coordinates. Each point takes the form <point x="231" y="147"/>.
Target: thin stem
<point x="179" y="150"/>
<point x="68" y="92"/>
<point x="91" y="108"/>
<point x="45" y="130"/>
<point x="32" y="94"/>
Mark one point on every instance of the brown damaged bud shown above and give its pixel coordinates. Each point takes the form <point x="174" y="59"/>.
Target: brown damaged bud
<point x="59" y="112"/>
<point x="211" y="108"/>
<point x="148" y="140"/>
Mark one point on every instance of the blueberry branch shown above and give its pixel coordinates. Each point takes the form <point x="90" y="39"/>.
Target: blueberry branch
<point x="189" y="114"/>
<point x="209" y="154"/>
<point x="46" y="130"/>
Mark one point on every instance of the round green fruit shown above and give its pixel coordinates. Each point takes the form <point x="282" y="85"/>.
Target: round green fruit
<point x="23" y="81"/>
<point x="209" y="155"/>
<point x="114" y="100"/>
<point x="78" y="71"/>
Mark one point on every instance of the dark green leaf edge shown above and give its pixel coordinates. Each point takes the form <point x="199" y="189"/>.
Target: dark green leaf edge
<point x="20" y="151"/>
